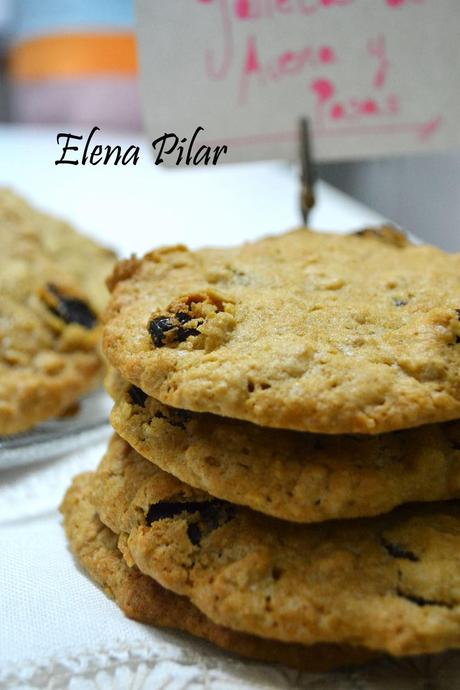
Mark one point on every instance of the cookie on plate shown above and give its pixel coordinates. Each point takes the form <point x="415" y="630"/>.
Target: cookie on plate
<point x="141" y="598"/>
<point x="304" y="330"/>
<point x="291" y="475"/>
<point x="86" y="261"/>
<point x="49" y="315"/>
<point x="390" y="583"/>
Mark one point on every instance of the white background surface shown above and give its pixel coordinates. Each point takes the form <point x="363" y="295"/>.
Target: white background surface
<point x="57" y="630"/>
<point x="137" y="208"/>
<point x="421" y="193"/>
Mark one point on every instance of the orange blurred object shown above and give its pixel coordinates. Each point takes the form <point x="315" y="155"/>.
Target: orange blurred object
<point x="73" y="55"/>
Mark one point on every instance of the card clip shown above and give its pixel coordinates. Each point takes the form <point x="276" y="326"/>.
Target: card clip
<point x="307" y="170"/>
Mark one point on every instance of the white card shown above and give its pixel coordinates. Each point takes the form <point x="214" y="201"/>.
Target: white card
<point x="376" y="77"/>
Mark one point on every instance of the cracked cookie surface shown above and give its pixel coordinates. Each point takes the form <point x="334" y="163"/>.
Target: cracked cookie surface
<point x="291" y="475"/>
<point x="306" y="331"/>
<point x="51" y="293"/>
<point x="390" y="583"/>
<point x="144" y="600"/>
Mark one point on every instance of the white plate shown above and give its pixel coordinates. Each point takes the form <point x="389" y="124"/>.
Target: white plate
<point x="58" y="436"/>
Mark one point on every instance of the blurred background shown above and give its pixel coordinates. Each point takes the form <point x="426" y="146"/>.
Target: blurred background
<point x="69" y="61"/>
<point x="74" y="61"/>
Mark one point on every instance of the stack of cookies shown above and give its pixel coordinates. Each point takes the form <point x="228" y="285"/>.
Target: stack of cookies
<point x="283" y="476"/>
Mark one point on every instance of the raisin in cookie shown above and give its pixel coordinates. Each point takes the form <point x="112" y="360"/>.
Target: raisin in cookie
<point x="291" y="475"/>
<point x="141" y="598"/>
<point x="390" y="583"/>
<point x="49" y="322"/>
<point x="307" y="331"/>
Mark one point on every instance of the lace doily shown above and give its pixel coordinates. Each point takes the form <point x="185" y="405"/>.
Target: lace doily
<point x="142" y="667"/>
